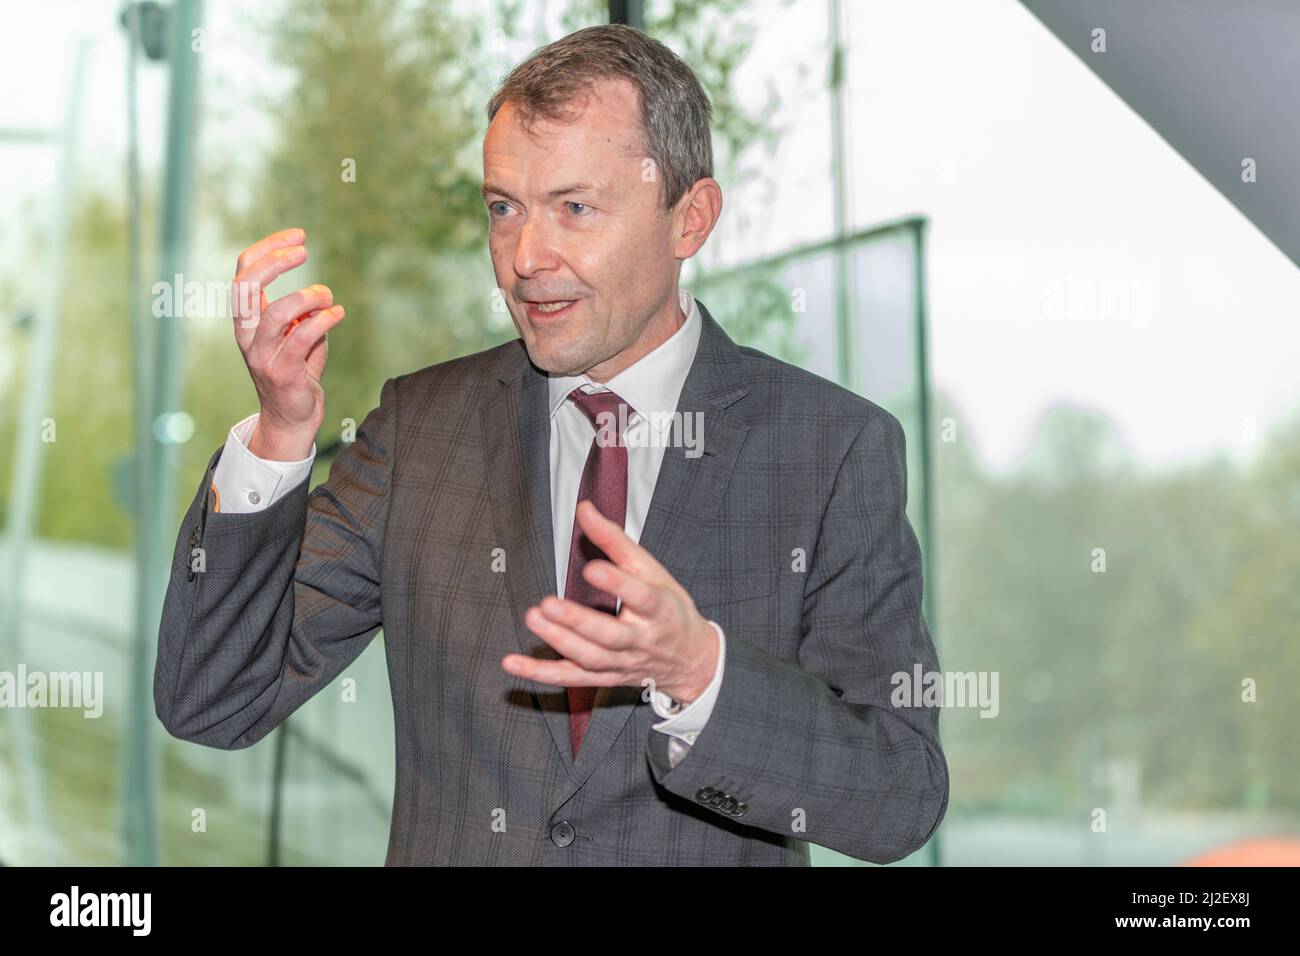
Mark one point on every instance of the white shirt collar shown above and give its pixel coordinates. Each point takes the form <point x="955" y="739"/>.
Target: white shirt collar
<point x="651" y="384"/>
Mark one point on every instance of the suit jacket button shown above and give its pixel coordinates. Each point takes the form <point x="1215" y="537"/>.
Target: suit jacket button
<point x="194" y="538"/>
<point x="704" y="794"/>
<point x="562" y="833"/>
<point x="741" y="807"/>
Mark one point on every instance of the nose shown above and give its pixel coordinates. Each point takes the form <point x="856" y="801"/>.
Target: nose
<point x="535" y="250"/>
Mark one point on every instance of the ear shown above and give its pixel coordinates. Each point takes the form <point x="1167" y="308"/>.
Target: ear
<point x="697" y="213"/>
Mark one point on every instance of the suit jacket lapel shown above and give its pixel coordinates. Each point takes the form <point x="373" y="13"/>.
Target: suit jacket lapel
<point x="516" y="441"/>
<point x="687" y="497"/>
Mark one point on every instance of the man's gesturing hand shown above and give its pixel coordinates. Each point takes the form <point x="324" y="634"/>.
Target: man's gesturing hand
<point x="283" y="344"/>
<point x="657" y="634"/>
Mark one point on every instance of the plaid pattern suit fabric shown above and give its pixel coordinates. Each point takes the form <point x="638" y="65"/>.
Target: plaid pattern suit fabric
<point x="450" y="473"/>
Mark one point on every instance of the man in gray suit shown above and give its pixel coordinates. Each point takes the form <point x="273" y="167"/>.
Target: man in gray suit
<point x="644" y="592"/>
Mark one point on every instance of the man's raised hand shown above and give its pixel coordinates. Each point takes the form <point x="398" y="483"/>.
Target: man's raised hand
<point x="284" y="345"/>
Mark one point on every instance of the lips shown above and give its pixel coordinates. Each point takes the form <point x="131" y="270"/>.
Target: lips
<point x="548" y="310"/>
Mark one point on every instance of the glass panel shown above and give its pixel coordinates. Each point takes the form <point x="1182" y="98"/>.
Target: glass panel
<point x="1115" y="429"/>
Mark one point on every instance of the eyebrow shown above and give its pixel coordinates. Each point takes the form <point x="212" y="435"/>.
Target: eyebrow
<point x="553" y="194"/>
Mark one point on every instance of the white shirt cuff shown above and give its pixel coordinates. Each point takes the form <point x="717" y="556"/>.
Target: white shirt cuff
<point x="686" y="724"/>
<point x="245" y="483"/>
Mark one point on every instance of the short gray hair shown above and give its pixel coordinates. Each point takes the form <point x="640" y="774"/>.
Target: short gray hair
<point x="676" y="114"/>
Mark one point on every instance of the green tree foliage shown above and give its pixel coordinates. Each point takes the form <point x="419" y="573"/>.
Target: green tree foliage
<point x="1143" y="662"/>
<point x="90" y="395"/>
<point x="374" y="153"/>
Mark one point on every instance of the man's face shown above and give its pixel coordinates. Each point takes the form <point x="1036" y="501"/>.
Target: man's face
<point x="573" y="218"/>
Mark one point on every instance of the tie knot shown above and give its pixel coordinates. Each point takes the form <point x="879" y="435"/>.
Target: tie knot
<point x="593" y="404"/>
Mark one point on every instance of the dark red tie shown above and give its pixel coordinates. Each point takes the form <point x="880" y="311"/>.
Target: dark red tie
<point x="604" y="483"/>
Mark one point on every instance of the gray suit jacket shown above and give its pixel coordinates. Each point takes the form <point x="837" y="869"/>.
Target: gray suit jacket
<point x="789" y="531"/>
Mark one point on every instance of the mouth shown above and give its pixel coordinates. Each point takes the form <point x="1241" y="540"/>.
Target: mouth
<point x="550" y="310"/>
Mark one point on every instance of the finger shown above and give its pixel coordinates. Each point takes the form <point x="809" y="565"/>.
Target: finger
<point x="636" y="594"/>
<point x="604" y="629"/>
<point x="246" y="288"/>
<point x="620" y="549"/>
<point x="294" y="323"/>
<point x="248" y="303"/>
<point x="276" y="240"/>
<point x="316" y="355"/>
<point x="289" y="309"/>
<point x="556" y="673"/>
<point x="586" y="654"/>
<point x="303" y="337"/>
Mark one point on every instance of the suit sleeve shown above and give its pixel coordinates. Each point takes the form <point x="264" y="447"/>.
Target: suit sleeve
<point x="264" y="609"/>
<point x="815" y="748"/>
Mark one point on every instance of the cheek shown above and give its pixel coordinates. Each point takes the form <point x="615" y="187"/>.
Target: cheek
<point x="499" y="250"/>
<point x="606" y="262"/>
<point x="587" y="251"/>
<point x="646" y="248"/>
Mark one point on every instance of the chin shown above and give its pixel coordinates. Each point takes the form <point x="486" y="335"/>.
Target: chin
<point x="556" y="361"/>
<point x="562" y="349"/>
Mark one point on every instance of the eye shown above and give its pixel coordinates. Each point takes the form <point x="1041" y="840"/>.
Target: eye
<point x="570" y="203"/>
<point x="492" y="206"/>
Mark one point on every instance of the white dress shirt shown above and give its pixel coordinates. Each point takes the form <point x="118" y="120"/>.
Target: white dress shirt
<point x="652" y="384"/>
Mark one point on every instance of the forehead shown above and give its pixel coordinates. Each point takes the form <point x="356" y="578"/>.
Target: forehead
<point x="602" y="133"/>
